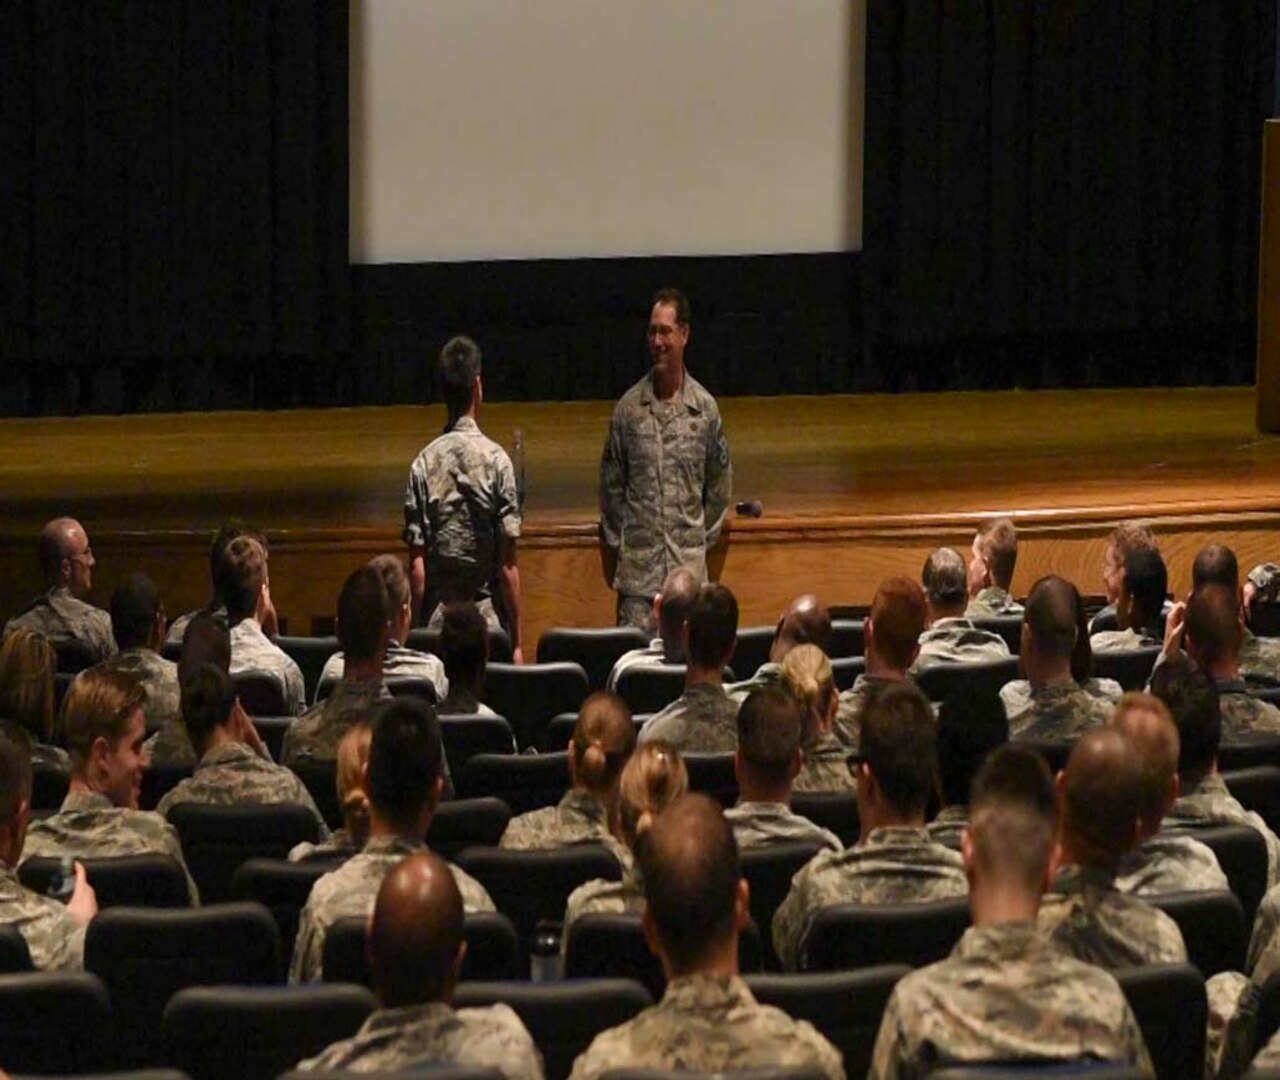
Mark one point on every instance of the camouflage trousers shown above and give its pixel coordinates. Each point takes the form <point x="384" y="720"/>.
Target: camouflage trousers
<point x="638" y="612"/>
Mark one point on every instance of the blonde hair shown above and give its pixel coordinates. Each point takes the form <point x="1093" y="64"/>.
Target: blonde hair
<point x="353" y="754"/>
<point x="604" y="739"/>
<point x="27" y="664"/>
<point x="654" y="777"/>
<point x="808" y="677"/>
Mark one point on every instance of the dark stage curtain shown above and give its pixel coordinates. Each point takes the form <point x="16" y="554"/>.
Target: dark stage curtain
<point x="1063" y="193"/>
<point x="173" y="202"/>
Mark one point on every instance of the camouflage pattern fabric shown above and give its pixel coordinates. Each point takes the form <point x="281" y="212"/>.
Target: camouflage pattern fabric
<point x="766" y="824"/>
<point x="895" y="865"/>
<point x="460" y="505"/>
<point x="1260" y="658"/>
<point x="1265" y="577"/>
<point x="1232" y="1025"/>
<point x="848" y="725"/>
<point x="579" y="818"/>
<point x="88" y="826"/>
<point x="61" y="618"/>
<point x="652" y="655"/>
<point x="394" y="1040"/>
<point x="637" y="611"/>
<point x="171" y="746"/>
<point x="340" y="845"/>
<point x="252" y="650"/>
<point x="947" y="827"/>
<point x="1243" y="714"/>
<point x="352" y="889"/>
<point x="1209" y="803"/>
<point x="315" y="735"/>
<point x="54" y="938"/>
<point x="462" y="702"/>
<point x="1088" y="918"/>
<point x="702" y="720"/>
<point x="958" y="641"/>
<point x="600" y="897"/>
<point x="53" y="756"/>
<point x="1170" y="863"/>
<point x="826" y="766"/>
<point x="1005" y="994"/>
<point x="178" y="628"/>
<point x="399" y="663"/>
<point x="159" y="680"/>
<point x="1120" y="640"/>
<point x="992" y="602"/>
<point x="709" y="1024"/>
<point x="1059" y="710"/>
<point x="767" y="674"/>
<point x="665" y="483"/>
<point x="234" y="775"/>
<point x="1017" y="698"/>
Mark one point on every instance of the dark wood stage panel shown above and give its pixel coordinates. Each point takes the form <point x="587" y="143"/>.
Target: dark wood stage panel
<point x="854" y="488"/>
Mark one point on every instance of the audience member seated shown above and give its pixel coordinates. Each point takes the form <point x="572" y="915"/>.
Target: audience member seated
<point x="1139" y="606"/>
<point x="1216" y="564"/>
<point x="807" y="677"/>
<point x="100" y="816"/>
<point x="671" y="608"/>
<point x="137" y="621"/>
<point x="1125" y="538"/>
<point x="899" y="614"/>
<point x="1160" y="862"/>
<point x="1005" y="994"/>
<point x="54" y="932"/>
<point x="353" y="753"/>
<point x="603" y="740"/>
<point x="246" y="592"/>
<point x="229" y="531"/>
<point x="27" y="664"/>
<point x="1084" y="914"/>
<point x="701" y="720"/>
<point x="971" y="724"/>
<point x="805" y="622"/>
<point x="654" y="777"/>
<point x="362" y="632"/>
<point x="232" y="770"/>
<point x="399" y="662"/>
<point x="894" y="861"/>
<point x="206" y="641"/>
<point x="990" y="572"/>
<point x="404" y="781"/>
<point x="60" y="612"/>
<point x="1212" y="633"/>
<point x="766" y="763"/>
<point x="415" y="951"/>
<point x="1059" y="707"/>
<point x="464" y="647"/>
<point x="708" y="1021"/>
<point x="951" y="638"/>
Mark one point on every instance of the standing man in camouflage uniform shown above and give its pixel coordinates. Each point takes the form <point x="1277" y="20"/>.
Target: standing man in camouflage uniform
<point x="708" y="1021"/>
<point x="60" y="613"/>
<point x="665" y="475"/>
<point x="990" y="572"/>
<point x="415" y="952"/>
<point x="894" y="861"/>
<point x="54" y="932"/>
<point x="461" y="509"/>
<point x="951" y="638"/>
<point x="1005" y="994"/>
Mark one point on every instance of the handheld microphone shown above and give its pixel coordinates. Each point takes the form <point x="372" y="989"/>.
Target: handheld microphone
<point x="752" y="508"/>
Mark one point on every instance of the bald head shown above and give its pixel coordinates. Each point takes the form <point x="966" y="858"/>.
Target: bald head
<point x="1215" y="564"/>
<point x="944" y="583"/>
<point x="1101" y="791"/>
<point x="1145" y="721"/>
<point x="805" y="622"/>
<point x="675" y="602"/>
<point x="64" y="548"/>
<point x="415" y="936"/>
<point x="1050" y="617"/>
<point x="1213" y="631"/>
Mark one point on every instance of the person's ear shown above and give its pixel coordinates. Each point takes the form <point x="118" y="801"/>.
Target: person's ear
<point x="966" y="851"/>
<point x="742" y="906"/>
<point x="437" y="793"/>
<point x="651" y="933"/>
<point x="455" y="969"/>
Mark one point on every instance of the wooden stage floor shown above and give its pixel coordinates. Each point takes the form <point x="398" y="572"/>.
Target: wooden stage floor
<point x="854" y="487"/>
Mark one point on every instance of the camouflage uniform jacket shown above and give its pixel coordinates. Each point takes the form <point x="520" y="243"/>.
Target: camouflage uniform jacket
<point x="340" y="845"/>
<point x="1264" y="944"/>
<point x="399" y="663"/>
<point x="1005" y="994"/>
<point x="601" y="897"/>
<point x="462" y="702"/>
<point x="1260" y="658"/>
<point x="252" y="650"/>
<point x="652" y="655"/>
<point x="580" y="818"/>
<point x="159" y="680"/>
<point x="460" y="504"/>
<point x="765" y="824"/>
<point x="958" y="641"/>
<point x="234" y="775"/>
<point x="1059" y="710"/>
<point x="767" y="674"/>
<point x="826" y="766"/>
<point x="1088" y="918"/>
<point x="54" y="939"/>
<point x="178" y="628"/>
<point x="352" y="889"/>
<point x="709" y="1024"/>
<point x="1266" y="579"/>
<point x="1017" y="699"/>
<point x="1120" y="640"/>
<point x="895" y="865"/>
<point x="1243" y="714"/>
<point x="992" y="602"/>
<point x="395" y="1040"/>
<point x="1209" y="803"/>
<point x="60" y="617"/>
<point x="1269" y="1056"/>
<point x="702" y="720"/>
<point x="316" y="733"/>
<point x="1170" y="863"/>
<point x="665" y="481"/>
<point x="945" y="829"/>
<point x="171" y="746"/>
<point x="88" y="826"/>
<point x="852" y="702"/>
<point x="53" y="756"/>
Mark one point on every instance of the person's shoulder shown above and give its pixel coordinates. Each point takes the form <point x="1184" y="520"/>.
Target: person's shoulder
<point x="700" y="394"/>
<point x="495" y="1021"/>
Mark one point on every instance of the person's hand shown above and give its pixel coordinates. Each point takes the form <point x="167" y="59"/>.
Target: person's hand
<point x="246" y="731"/>
<point x="1173" y="626"/>
<point x="517" y="654"/>
<point x="269" y="620"/>
<point x="83" y="904"/>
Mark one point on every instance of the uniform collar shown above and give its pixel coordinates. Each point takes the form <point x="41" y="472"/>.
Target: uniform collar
<point x="464" y="425"/>
<point x="685" y="397"/>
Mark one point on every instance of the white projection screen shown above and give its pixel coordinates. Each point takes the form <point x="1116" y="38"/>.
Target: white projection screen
<point x="527" y="129"/>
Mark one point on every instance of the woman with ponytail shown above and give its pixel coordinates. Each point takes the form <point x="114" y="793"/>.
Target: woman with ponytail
<point x="603" y="740"/>
<point x="807" y="676"/>
<point x="353" y="754"/>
